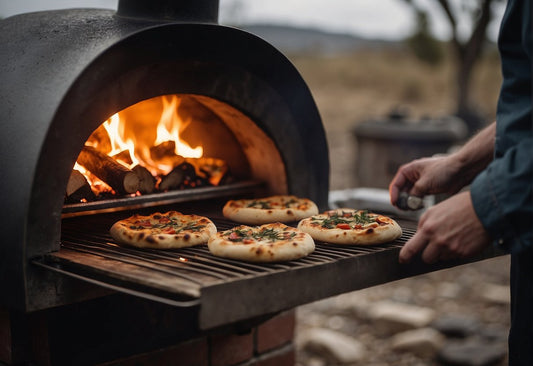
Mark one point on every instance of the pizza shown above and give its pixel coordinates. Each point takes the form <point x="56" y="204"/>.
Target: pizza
<point x="163" y="230"/>
<point x="274" y="242"/>
<point x="349" y="226"/>
<point x="281" y="208"/>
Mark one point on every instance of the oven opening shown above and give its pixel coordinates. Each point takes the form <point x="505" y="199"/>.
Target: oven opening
<point x="168" y="148"/>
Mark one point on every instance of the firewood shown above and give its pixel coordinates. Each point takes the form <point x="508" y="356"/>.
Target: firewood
<point x="78" y="188"/>
<point x="164" y="149"/>
<point x="124" y="156"/>
<point x="177" y="177"/>
<point x="165" y="153"/>
<point x="120" y="178"/>
<point x="146" y="179"/>
<point x="100" y="139"/>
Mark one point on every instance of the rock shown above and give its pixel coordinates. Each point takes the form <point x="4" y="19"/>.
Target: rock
<point x="334" y="346"/>
<point x="494" y="333"/>
<point x="458" y="326"/>
<point x="473" y="353"/>
<point x="424" y="342"/>
<point x="448" y="290"/>
<point x="392" y="317"/>
<point x="496" y="293"/>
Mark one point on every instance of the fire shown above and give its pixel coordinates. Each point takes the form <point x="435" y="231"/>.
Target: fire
<point x="146" y="139"/>
<point x="169" y="127"/>
<point x="115" y="130"/>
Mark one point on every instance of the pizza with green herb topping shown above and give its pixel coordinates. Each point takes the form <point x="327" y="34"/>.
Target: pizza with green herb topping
<point x="275" y="242"/>
<point x="349" y="226"/>
<point x="280" y="208"/>
<point x="163" y="230"/>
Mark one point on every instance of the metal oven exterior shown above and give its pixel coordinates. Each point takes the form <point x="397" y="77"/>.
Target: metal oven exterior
<point x="64" y="72"/>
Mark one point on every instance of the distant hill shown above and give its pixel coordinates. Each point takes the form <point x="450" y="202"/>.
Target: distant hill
<point x="301" y="40"/>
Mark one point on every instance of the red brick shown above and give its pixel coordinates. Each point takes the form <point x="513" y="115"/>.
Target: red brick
<point x="285" y="356"/>
<point x="276" y="332"/>
<point x="190" y="353"/>
<point x="231" y="349"/>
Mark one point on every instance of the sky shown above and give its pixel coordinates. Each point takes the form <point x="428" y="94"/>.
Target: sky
<point x="384" y="19"/>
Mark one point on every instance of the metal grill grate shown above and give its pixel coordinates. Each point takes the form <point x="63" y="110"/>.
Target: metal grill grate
<point x="197" y="264"/>
<point x="224" y="290"/>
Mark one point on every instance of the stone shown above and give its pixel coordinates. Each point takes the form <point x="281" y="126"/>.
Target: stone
<point x="449" y="290"/>
<point x="456" y="326"/>
<point x="393" y="317"/>
<point x="497" y="294"/>
<point x="423" y="342"/>
<point x="473" y="353"/>
<point x="494" y="333"/>
<point x="334" y="346"/>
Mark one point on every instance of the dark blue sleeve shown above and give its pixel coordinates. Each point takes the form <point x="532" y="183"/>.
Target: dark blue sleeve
<point x="502" y="194"/>
<point x="502" y="197"/>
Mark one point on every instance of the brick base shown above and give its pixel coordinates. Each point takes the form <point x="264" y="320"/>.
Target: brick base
<point x="269" y="344"/>
<point x="111" y="333"/>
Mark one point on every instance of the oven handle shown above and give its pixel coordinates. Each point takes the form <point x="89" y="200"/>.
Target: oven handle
<point x="177" y="303"/>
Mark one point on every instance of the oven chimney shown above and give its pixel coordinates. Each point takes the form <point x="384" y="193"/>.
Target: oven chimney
<point x="202" y="11"/>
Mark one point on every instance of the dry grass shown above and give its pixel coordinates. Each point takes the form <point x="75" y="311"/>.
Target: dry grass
<point x="367" y="84"/>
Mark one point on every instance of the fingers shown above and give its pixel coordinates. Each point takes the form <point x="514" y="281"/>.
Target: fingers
<point x="430" y="253"/>
<point x="416" y="244"/>
<point x="398" y="184"/>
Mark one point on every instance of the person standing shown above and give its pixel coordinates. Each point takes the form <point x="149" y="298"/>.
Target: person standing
<point x="497" y="165"/>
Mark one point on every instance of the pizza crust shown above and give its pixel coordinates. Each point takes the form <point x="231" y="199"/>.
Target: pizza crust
<point x="297" y="244"/>
<point x="280" y="208"/>
<point x="383" y="229"/>
<point x="147" y="232"/>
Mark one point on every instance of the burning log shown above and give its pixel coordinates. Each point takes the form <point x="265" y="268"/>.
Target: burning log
<point x="146" y="179"/>
<point x="100" y="139"/>
<point x="163" y="150"/>
<point x="78" y="189"/>
<point x="165" y="153"/>
<point x="124" y="156"/>
<point x="177" y="177"/>
<point x="120" y="178"/>
<point x="216" y="170"/>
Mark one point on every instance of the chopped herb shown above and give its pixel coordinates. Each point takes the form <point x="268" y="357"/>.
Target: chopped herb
<point x="270" y="235"/>
<point x="335" y="219"/>
<point x="176" y="225"/>
<point x="259" y="204"/>
<point x="289" y="203"/>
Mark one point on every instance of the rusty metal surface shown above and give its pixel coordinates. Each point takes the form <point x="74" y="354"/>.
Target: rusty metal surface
<point x="226" y="290"/>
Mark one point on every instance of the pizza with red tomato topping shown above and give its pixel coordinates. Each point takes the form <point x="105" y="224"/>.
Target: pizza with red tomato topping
<point x="163" y="230"/>
<point x="275" y="242"/>
<point x="349" y="226"/>
<point x="280" y="208"/>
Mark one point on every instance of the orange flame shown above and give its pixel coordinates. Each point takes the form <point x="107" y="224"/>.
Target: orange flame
<point x="133" y="131"/>
<point x="169" y="127"/>
<point x="115" y="129"/>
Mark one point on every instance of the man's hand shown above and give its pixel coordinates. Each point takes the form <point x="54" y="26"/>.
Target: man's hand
<point x="447" y="230"/>
<point x="427" y="176"/>
<point x="446" y="174"/>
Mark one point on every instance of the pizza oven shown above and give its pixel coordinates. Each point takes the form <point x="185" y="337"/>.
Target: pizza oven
<point x="155" y="107"/>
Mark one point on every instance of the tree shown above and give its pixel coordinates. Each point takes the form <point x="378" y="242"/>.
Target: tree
<point x="425" y="47"/>
<point x="466" y="51"/>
